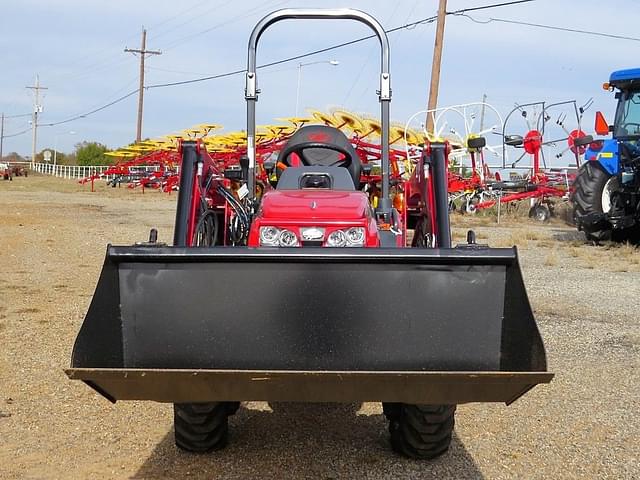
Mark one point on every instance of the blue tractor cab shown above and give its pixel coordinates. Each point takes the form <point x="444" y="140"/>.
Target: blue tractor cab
<point x="606" y="194"/>
<point x="625" y="78"/>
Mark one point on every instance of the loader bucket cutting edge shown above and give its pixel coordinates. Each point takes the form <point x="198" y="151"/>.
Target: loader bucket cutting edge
<point x="176" y="324"/>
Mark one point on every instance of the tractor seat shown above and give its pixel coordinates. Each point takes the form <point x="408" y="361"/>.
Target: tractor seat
<point x="322" y="157"/>
<point x="328" y="178"/>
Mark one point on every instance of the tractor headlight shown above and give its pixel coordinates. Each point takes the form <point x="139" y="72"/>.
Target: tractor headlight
<point x="355" y="237"/>
<point x="269" y="236"/>
<point x="288" y="239"/>
<point x="277" y="237"/>
<point x="337" y="238"/>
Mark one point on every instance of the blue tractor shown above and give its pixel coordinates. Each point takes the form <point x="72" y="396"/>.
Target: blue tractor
<point x="606" y="191"/>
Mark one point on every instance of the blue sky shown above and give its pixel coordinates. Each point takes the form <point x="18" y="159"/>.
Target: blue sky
<point x="76" y="46"/>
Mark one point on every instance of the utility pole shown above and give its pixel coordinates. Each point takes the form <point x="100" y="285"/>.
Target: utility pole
<point x="1" y="135"/>
<point x="484" y="103"/>
<point x="143" y="52"/>
<point x="435" y="66"/>
<point x="37" y="108"/>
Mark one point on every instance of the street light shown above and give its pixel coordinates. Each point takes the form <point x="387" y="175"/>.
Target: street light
<point x="55" y="145"/>
<point x="300" y="65"/>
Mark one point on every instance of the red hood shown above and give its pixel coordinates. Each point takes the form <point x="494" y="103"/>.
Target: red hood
<point x="314" y="204"/>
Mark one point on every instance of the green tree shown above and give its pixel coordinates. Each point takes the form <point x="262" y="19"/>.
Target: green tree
<point x="13" y="157"/>
<point x="92" y="153"/>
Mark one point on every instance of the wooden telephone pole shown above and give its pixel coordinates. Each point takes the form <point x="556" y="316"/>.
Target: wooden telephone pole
<point x="435" y="66"/>
<point x="143" y="52"/>
<point x="1" y="135"/>
<point x="37" y="108"/>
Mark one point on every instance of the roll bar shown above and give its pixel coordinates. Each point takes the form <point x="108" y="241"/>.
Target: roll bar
<point x="384" y="94"/>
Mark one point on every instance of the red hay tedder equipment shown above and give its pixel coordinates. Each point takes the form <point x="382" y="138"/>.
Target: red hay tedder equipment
<point x="538" y="183"/>
<point x="292" y="280"/>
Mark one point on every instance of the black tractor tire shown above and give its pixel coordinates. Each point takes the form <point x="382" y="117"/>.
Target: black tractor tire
<point x="422" y="235"/>
<point x="232" y="407"/>
<point x="201" y="427"/>
<point x="587" y="197"/>
<point x="391" y="410"/>
<point x="420" y="431"/>
<point x="624" y="235"/>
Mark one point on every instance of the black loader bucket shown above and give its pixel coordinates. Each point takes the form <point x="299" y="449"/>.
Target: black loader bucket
<point x="441" y="326"/>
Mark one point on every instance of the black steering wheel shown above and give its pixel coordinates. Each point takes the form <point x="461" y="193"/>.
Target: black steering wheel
<point x="300" y="147"/>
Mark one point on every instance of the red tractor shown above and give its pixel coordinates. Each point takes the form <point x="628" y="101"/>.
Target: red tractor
<point x="293" y="280"/>
<point x="5" y="171"/>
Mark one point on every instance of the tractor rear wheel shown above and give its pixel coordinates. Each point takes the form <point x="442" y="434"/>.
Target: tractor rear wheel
<point x="420" y="431"/>
<point x="591" y="195"/>
<point x="202" y="427"/>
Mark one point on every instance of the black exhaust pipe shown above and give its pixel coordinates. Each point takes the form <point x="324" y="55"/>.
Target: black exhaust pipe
<point x="190" y="159"/>
<point x="437" y="160"/>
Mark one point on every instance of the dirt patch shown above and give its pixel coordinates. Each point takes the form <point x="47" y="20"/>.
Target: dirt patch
<point x="585" y="424"/>
<point x="28" y="310"/>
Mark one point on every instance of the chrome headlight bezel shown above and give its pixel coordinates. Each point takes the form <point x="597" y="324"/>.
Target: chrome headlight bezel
<point x="270" y="236"/>
<point x="356" y="236"/>
<point x="288" y="238"/>
<point x="349" y="237"/>
<point x="337" y="238"/>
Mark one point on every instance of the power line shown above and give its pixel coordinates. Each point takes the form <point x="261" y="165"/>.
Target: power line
<point x="91" y="112"/>
<point x="115" y="58"/>
<point x="550" y="27"/>
<point x="18" y="115"/>
<point x="18" y="133"/>
<point x="406" y="26"/>
<point x="371" y="52"/>
<point x="241" y="16"/>
<point x="191" y="9"/>
<point x="199" y="15"/>
<point x="290" y="59"/>
<point x="486" y="7"/>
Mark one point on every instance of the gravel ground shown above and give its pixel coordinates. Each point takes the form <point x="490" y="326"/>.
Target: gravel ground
<point x="585" y="424"/>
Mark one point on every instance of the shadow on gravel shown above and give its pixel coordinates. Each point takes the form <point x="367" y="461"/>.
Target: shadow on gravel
<point x="568" y="236"/>
<point x="319" y="441"/>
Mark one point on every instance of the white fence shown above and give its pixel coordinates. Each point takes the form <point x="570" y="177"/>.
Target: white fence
<point x="81" y="171"/>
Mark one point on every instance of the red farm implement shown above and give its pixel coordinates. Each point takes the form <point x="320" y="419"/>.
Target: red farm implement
<point x="538" y="182"/>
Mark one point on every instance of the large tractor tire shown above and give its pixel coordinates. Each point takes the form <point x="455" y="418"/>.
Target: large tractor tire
<point x="591" y="195"/>
<point x="202" y="427"/>
<point x="422" y="234"/>
<point x="420" y="431"/>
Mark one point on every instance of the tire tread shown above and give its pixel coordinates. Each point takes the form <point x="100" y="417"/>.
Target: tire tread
<point x="201" y="427"/>
<point x="421" y="431"/>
